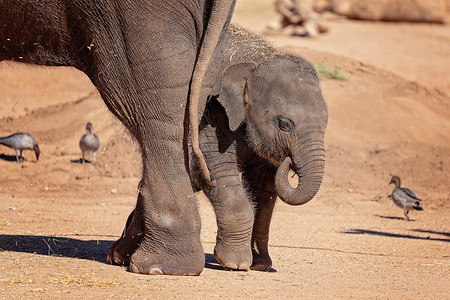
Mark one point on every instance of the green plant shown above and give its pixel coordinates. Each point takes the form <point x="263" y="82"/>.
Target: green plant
<point x="325" y="71"/>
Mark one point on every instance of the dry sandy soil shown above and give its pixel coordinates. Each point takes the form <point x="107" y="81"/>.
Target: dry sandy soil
<point x="58" y="217"/>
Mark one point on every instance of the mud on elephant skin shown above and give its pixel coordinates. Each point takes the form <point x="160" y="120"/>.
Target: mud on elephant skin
<point x="266" y="116"/>
<point x="151" y="60"/>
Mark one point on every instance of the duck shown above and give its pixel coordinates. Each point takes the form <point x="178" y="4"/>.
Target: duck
<point x="89" y="142"/>
<point x="21" y="141"/>
<point x="404" y="197"/>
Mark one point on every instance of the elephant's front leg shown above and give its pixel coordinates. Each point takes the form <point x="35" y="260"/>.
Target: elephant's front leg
<point x="171" y="242"/>
<point x="162" y="235"/>
<point x="229" y="199"/>
<point x="147" y="89"/>
<point x="234" y="224"/>
<point x="260" y="177"/>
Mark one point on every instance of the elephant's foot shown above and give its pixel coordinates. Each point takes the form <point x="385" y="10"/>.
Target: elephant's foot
<point x="166" y="260"/>
<point x="146" y="255"/>
<point x="233" y="251"/>
<point x="261" y="262"/>
<point x="153" y="263"/>
<point x="232" y="257"/>
<point x="260" y="251"/>
<point x="121" y="251"/>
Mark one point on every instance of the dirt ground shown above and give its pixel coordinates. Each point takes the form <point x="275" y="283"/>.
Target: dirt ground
<point x="58" y="217"/>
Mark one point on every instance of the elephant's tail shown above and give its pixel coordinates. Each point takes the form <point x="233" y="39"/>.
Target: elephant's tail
<point x="220" y="12"/>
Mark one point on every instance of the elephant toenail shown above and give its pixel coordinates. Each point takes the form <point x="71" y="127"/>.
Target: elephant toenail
<point x="156" y="271"/>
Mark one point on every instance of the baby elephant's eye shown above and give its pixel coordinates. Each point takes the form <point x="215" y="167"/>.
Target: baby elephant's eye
<point x="285" y="124"/>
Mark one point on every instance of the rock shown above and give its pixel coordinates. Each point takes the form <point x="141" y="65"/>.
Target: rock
<point x="321" y="6"/>
<point x="392" y="10"/>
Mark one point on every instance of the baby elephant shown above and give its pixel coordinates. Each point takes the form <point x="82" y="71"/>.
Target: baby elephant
<point x="89" y="142"/>
<point x="266" y="116"/>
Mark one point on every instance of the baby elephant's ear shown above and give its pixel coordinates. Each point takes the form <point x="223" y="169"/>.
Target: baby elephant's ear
<point x="230" y="89"/>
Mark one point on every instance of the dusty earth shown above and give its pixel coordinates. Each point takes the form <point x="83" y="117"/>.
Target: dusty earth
<point x="58" y="217"/>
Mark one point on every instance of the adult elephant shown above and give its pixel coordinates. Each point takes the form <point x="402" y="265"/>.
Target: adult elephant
<point x="145" y="58"/>
<point x="267" y="116"/>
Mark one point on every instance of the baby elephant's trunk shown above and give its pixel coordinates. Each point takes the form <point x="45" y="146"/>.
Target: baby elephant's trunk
<point x="309" y="169"/>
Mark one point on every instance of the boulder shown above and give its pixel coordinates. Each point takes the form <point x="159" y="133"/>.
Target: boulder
<point x="392" y="10"/>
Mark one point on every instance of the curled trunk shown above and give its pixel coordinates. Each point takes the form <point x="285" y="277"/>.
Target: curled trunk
<point x="310" y="174"/>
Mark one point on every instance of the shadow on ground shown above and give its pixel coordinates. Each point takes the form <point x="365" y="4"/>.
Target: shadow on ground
<point x="11" y="158"/>
<point x="80" y="161"/>
<point x="96" y="250"/>
<point x="393" y="218"/>
<point x="58" y="246"/>
<point x="432" y="232"/>
<point x="212" y="263"/>
<point x="403" y="236"/>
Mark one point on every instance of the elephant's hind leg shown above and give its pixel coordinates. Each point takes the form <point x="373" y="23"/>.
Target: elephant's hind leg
<point x="260" y="237"/>
<point x="260" y="178"/>
<point x="121" y="251"/>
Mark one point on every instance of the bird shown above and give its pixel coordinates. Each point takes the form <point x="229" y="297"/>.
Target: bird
<point x="89" y="142"/>
<point x="21" y="141"/>
<point x="404" y="197"/>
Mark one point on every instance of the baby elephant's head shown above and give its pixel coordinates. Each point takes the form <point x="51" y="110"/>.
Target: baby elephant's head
<point x="281" y="103"/>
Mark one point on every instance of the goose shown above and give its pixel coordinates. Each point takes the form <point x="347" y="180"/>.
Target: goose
<point x="21" y="141"/>
<point x="404" y="197"/>
<point x="89" y="142"/>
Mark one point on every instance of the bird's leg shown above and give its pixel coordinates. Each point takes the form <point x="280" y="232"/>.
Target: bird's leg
<point x="93" y="157"/>
<point x="17" y="157"/>
<point x="406" y="215"/>
<point x="82" y="159"/>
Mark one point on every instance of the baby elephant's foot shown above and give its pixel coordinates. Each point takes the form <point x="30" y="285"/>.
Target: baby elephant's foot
<point x="234" y="257"/>
<point x="233" y="244"/>
<point x="233" y="251"/>
<point x="261" y="262"/>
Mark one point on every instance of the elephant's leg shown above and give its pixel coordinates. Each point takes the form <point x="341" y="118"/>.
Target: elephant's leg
<point x="150" y="99"/>
<point x="121" y="251"/>
<point x="262" y="188"/>
<point x="162" y="235"/>
<point x="166" y="216"/>
<point x="234" y="216"/>
<point x="166" y="219"/>
<point x="229" y="199"/>
<point x="260" y="237"/>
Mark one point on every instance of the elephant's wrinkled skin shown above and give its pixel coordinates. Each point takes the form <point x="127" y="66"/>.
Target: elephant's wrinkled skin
<point x="142" y="56"/>
<point x="269" y="117"/>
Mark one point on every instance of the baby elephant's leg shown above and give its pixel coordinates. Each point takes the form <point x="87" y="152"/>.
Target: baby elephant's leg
<point x="260" y="178"/>
<point x="229" y="199"/>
